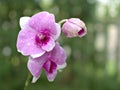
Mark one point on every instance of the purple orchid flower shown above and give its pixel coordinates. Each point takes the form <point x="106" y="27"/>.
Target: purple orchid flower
<point x="74" y="27"/>
<point x="38" y="34"/>
<point x="50" y="61"/>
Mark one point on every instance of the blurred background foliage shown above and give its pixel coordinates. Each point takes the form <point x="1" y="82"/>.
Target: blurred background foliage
<point x="93" y="61"/>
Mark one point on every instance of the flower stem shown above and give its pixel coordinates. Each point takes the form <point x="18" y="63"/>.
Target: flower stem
<point x="62" y="21"/>
<point x="27" y="81"/>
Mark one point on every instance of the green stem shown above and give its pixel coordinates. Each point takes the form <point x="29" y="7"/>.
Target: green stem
<point x="62" y="21"/>
<point x="27" y="81"/>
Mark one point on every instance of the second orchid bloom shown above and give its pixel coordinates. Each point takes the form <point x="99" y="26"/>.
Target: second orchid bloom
<point x="37" y="39"/>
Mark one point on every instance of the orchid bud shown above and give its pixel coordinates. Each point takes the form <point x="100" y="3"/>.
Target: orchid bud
<point x="74" y="27"/>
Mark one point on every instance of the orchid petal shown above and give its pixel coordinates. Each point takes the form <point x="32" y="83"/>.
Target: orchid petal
<point x="70" y="29"/>
<point x="58" y="55"/>
<point x="60" y="67"/>
<point x="24" y="22"/>
<point x="49" y="45"/>
<point x="43" y="21"/>
<point x="35" y="65"/>
<point x="35" y="79"/>
<point x="26" y="43"/>
<point x="58" y="29"/>
<point x="51" y="71"/>
<point x="51" y="76"/>
<point x="77" y="22"/>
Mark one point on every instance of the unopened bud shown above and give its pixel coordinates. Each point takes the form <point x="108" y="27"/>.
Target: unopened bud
<point x="74" y="27"/>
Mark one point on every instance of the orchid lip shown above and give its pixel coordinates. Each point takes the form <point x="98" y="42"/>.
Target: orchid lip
<point x="51" y="67"/>
<point x="41" y="39"/>
<point x="81" y="32"/>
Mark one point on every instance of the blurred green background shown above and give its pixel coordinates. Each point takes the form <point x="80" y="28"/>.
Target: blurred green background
<point x="93" y="61"/>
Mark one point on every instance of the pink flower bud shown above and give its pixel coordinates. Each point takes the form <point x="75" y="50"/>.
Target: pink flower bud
<point x="74" y="27"/>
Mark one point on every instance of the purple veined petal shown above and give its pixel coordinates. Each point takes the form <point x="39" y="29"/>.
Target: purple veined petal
<point x="43" y="21"/>
<point x="26" y="43"/>
<point x="58" y="29"/>
<point x="24" y="22"/>
<point x="49" y="45"/>
<point x="35" y="66"/>
<point x="58" y="55"/>
<point x="51" y="70"/>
